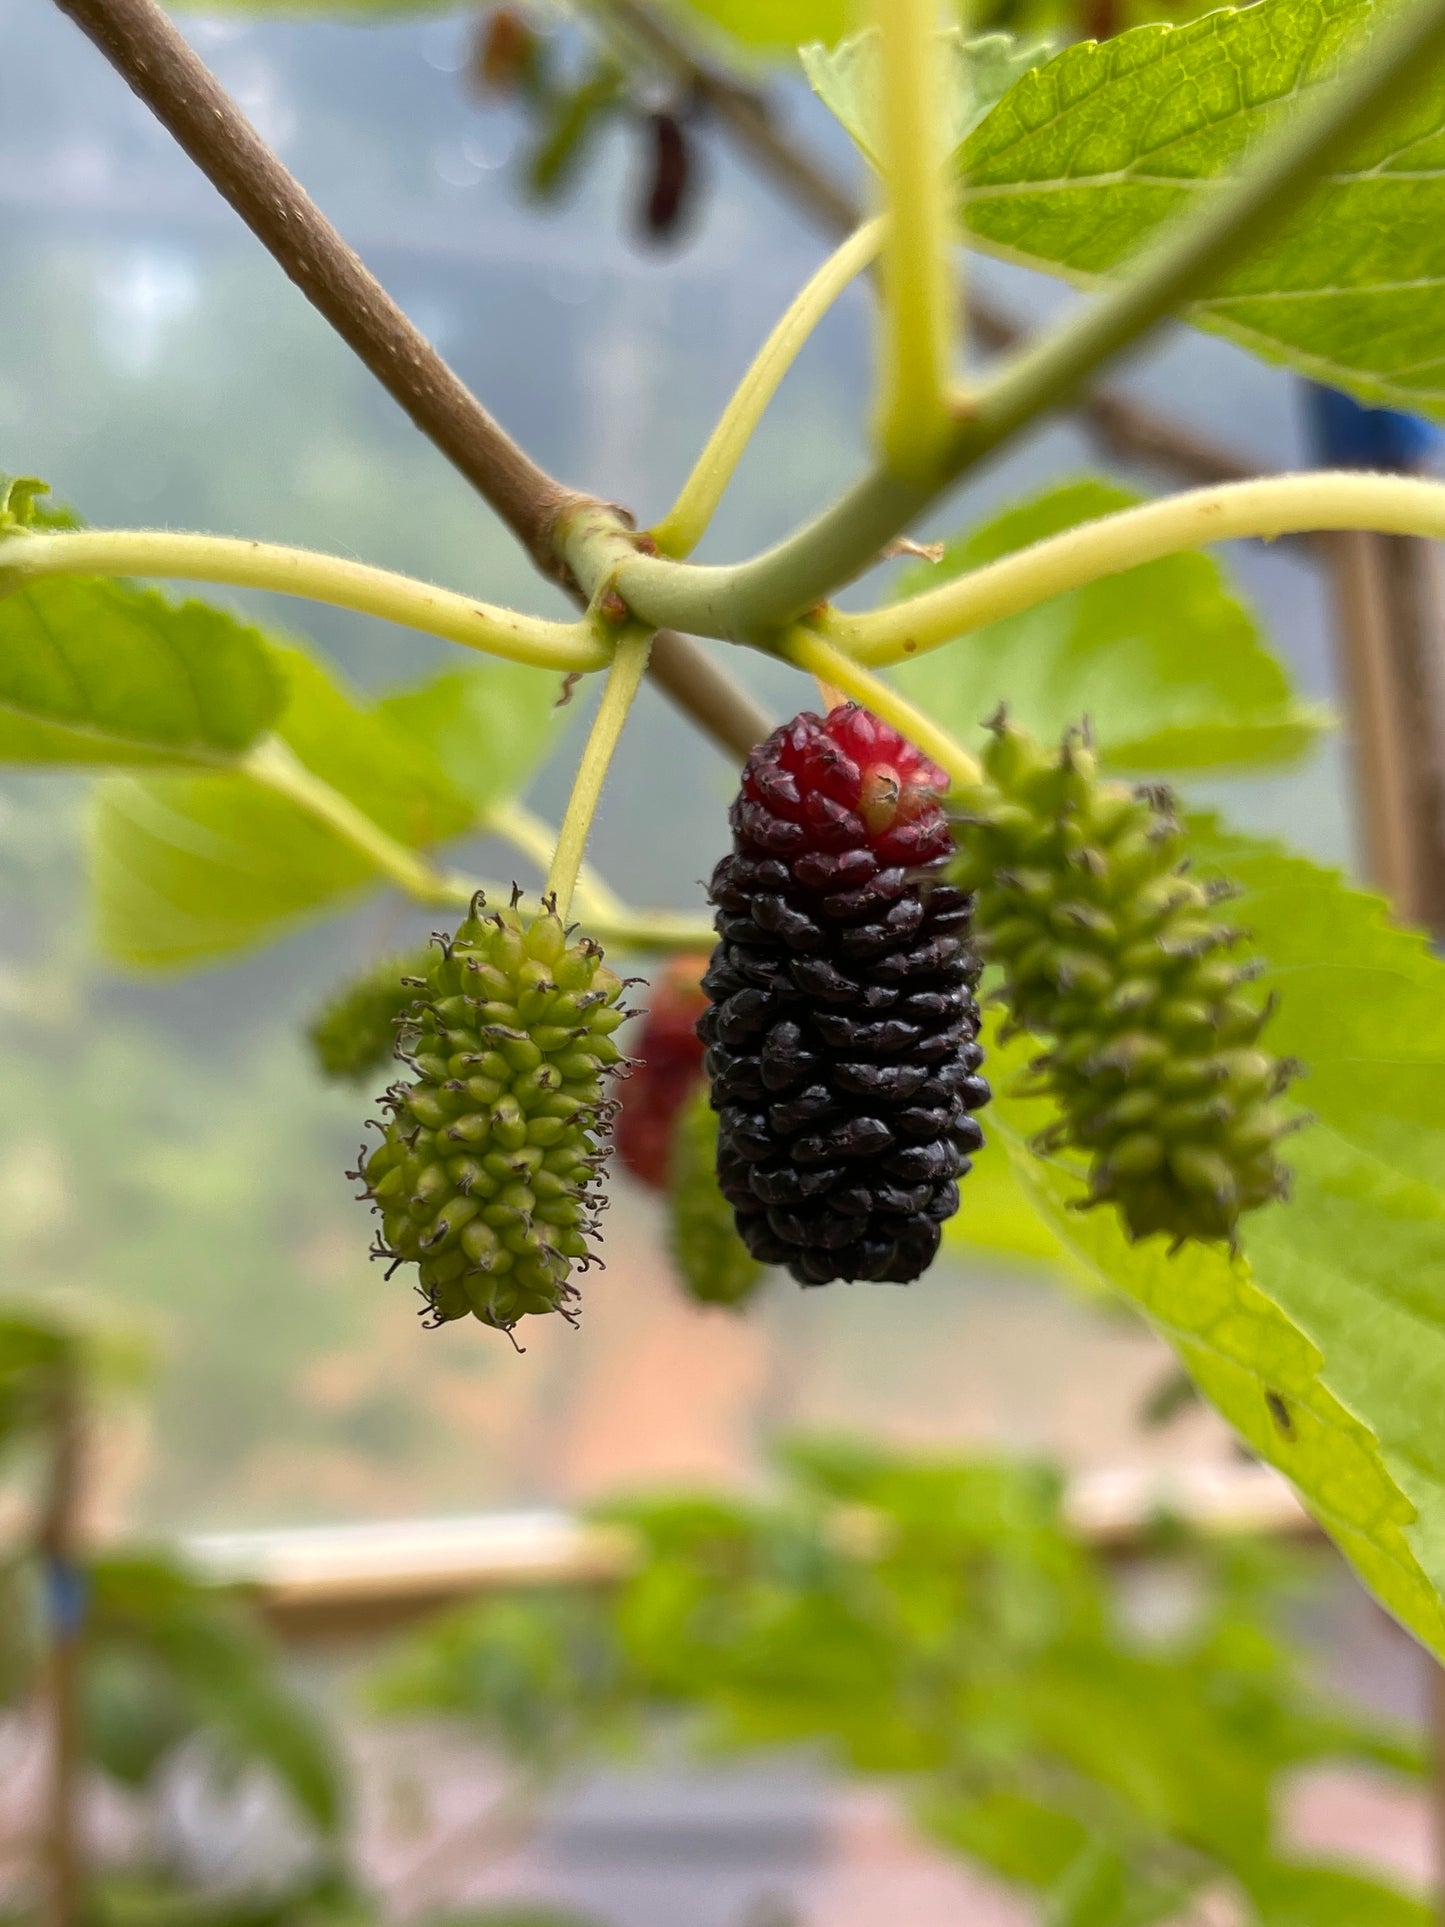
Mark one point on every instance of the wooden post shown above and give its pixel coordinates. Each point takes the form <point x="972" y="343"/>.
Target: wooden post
<point x="58" y="1543"/>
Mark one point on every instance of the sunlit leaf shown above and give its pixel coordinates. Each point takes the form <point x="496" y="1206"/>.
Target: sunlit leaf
<point x="1088" y="157"/>
<point x="1325" y="1345"/>
<point x="1165" y="661"/>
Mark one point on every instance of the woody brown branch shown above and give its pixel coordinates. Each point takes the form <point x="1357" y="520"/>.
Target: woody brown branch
<point x="144" y="47"/>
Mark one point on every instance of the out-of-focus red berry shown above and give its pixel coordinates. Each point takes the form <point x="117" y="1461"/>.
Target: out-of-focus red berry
<point x="506" y="50"/>
<point x="670" y="1066"/>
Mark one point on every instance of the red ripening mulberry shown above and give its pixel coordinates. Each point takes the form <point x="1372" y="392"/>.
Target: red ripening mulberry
<point x="667" y="1067"/>
<point x="842" y="1034"/>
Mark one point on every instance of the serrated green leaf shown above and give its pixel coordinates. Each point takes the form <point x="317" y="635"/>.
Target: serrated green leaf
<point x="1328" y="1354"/>
<point x="1089" y="156"/>
<point x="189" y="867"/>
<point x="1358" y="1258"/>
<point x="485" y="729"/>
<point x="978" y="73"/>
<point x="95" y="672"/>
<point x="1167" y="663"/>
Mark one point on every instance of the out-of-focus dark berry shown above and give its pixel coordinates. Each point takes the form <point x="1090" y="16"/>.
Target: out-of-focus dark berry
<point x="669" y="1065"/>
<point x="672" y="173"/>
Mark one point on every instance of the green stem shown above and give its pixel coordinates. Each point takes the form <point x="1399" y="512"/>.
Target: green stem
<point x="918" y="309"/>
<point x="681" y="529"/>
<point x="629" y="665"/>
<point x="273" y="764"/>
<point x="755" y="599"/>
<point x="538" y="840"/>
<point x="333" y="579"/>
<point x="609" y="920"/>
<point x="814" y="653"/>
<point x="1269" y="506"/>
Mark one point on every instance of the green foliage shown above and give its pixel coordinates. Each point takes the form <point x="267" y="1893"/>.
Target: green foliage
<point x="938" y="1623"/>
<point x="713" y="1264"/>
<point x="977" y="74"/>
<point x="1090" y="156"/>
<point x="103" y="672"/>
<point x="354" y="1034"/>
<point x="485" y="729"/>
<point x="213" y="1671"/>
<point x="1164" y="659"/>
<point x="769" y="26"/>
<point x="186" y="868"/>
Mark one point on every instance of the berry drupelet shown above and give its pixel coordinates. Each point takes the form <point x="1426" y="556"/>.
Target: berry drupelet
<point x="842" y="1034"/>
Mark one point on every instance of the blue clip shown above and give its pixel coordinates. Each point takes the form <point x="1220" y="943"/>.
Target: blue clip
<point x="1345" y="434"/>
<point x="67" y="1598"/>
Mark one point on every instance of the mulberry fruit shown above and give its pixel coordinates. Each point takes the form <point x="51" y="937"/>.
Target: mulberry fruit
<point x="1119" y="959"/>
<point x="842" y="1034"/>
<point x="354" y="1034"/>
<point x="668" y="1066"/>
<point x="714" y="1264"/>
<point x="487" y="1169"/>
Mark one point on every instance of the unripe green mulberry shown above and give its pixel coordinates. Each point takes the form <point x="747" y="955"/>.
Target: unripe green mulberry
<point x="712" y="1261"/>
<point x="486" y="1176"/>
<point x="1113" y="953"/>
<point x="355" y="1032"/>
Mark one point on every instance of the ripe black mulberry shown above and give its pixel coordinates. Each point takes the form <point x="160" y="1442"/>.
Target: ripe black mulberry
<point x="842" y="1035"/>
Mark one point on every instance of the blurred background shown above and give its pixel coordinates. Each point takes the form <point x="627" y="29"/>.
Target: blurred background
<point x="166" y="1145"/>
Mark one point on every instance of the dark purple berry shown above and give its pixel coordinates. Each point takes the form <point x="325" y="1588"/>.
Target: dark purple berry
<point x="842" y="1028"/>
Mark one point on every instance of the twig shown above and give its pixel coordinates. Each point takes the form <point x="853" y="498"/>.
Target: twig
<point x="688" y="677"/>
<point x="146" y="50"/>
<point x="1128" y="429"/>
<point x="58" y="1542"/>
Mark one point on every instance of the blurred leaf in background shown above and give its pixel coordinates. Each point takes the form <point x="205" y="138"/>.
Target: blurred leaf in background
<point x="938" y="1623"/>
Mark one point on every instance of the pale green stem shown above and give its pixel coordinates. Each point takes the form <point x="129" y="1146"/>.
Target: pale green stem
<point x="812" y="652"/>
<point x="538" y="840"/>
<point x="1270" y="506"/>
<point x="920" y="291"/>
<point x="755" y="599"/>
<point x="333" y="579"/>
<point x="681" y="529"/>
<point x="629" y="665"/>
<point x="273" y="764"/>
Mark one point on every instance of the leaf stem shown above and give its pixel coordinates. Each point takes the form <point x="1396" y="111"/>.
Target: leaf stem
<point x="629" y="665"/>
<point x="333" y="579"/>
<point x="611" y="921"/>
<point x="538" y="840"/>
<point x="812" y="652"/>
<point x="680" y="530"/>
<point x="919" y="294"/>
<point x="1268" y="506"/>
<point x="273" y="764"/>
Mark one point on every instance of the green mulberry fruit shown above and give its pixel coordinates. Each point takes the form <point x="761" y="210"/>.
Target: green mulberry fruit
<point x="487" y="1172"/>
<point x="712" y="1261"/>
<point x="355" y="1032"/>
<point x="1121" y="960"/>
